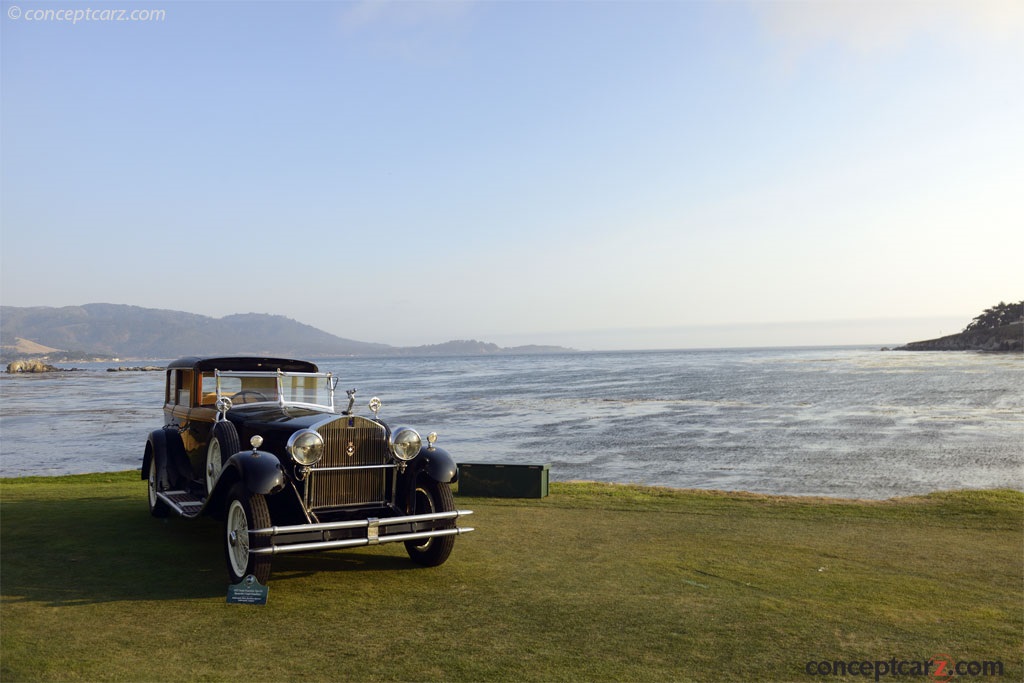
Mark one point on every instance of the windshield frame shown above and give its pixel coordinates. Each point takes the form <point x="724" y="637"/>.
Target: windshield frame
<point x="283" y="394"/>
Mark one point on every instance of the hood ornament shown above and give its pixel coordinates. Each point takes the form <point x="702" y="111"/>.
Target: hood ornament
<point x="351" y="401"/>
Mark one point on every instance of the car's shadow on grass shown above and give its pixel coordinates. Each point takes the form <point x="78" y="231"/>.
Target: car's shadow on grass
<point x="291" y="567"/>
<point x="89" y="550"/>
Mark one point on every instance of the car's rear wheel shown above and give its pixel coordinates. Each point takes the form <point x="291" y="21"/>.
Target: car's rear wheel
<point x="245" y="511"/>
<point x="157" y="507"/>
<point x="432" y="496"/>
<point x="223" y="444"/>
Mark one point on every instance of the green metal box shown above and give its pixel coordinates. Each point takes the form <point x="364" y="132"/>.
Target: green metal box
<point x="503" y="481"/>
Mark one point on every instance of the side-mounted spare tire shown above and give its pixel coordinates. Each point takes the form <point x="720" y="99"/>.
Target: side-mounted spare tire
<point x="223" y="444"/>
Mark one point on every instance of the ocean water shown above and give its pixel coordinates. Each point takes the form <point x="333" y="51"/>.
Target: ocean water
<point x="841" y="422"/>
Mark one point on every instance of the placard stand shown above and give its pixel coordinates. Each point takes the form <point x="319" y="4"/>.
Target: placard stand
<point x="248" y="591"/>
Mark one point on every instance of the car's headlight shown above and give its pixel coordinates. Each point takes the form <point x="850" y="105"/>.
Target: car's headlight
<point x="306" y="447"/>
<point x="405" y="443"/>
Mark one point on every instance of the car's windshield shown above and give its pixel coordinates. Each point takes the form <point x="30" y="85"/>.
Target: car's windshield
<point x="242" y="387"/>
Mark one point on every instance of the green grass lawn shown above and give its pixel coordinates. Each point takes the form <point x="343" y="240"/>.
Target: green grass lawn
<point x="593" y="583"/>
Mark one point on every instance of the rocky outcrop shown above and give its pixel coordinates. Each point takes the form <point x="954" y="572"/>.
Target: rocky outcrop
<point x="37" y="365"/>
<point x="1008" y="338"/>
<point x="31" y="366"/>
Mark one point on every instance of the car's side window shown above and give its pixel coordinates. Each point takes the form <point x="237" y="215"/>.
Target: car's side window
<point x="184" y="388"/>
<point x="172" y="386"/>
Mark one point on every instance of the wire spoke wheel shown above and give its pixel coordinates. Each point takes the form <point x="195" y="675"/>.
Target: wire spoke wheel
<point x="157" y="507"/>
<point x="245" y="511"/>
<point x="432" y="496"/>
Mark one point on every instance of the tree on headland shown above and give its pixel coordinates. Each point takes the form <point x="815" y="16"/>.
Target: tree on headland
<point x="997" y="316"/>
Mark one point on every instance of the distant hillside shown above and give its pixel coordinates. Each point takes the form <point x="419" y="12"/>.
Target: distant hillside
<point x="119" y="331"/>
<point x="133" y="332"/>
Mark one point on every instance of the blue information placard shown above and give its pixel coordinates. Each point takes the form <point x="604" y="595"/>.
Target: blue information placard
<point x="248" y="591"/>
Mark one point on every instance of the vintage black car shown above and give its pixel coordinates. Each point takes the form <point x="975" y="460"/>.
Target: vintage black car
<point x="308" y="477"/>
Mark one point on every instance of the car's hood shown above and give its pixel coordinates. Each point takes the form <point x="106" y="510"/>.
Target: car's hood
<point x="257" y="417"/>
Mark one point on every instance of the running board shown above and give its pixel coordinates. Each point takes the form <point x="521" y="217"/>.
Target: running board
<point x="184" y="503"/>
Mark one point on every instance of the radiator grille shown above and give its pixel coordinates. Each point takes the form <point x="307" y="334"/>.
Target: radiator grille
<point x="367" y="442"/>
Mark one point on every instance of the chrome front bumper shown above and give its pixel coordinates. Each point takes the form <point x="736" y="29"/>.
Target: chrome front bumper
<point x="376" y="533"/>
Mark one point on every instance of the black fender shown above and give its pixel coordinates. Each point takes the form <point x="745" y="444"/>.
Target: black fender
<point x="431" y="461"/>
<point x="259" y="471"/>
<point x="438" y="464"/>
<point x="166" y="451"/>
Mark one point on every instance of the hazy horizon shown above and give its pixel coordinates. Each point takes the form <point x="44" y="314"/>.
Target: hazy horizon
<point x="878" y="332"/>
<point x="594" y="175"/>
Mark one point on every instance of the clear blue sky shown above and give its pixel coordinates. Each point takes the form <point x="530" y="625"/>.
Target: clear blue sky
<point x="591" y="174"/>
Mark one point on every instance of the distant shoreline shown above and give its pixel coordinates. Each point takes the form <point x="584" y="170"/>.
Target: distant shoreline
<point x="87" y="477"/>
<point x="1005" y="339"/>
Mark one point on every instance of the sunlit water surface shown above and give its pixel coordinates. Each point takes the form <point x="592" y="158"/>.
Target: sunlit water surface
<point x="822" y="421"/>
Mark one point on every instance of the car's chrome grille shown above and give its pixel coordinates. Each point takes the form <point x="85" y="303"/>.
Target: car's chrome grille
<point x="360" y="446"/>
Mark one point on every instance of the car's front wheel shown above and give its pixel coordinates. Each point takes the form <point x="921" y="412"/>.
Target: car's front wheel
<point x="223" y="444"/>
<point x="245" y="511"/>
<point x="432" y="496"/>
